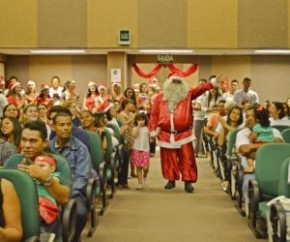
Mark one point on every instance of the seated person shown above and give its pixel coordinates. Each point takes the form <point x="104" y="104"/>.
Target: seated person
<point x="262" y="133"/>
<point x="34" y="143"/>
<point x="48" y="207"/>
<point x="10" y="215"/>
<point x="245" y="146"/>
<point x="6" y="150"/>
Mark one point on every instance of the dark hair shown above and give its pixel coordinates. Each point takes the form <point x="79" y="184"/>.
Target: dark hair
<point x="141" y="116"/>
<point x="133" y="95"/>
<point x="235" y="81"/>
<point x="98" y="117"/>
<point x="61" y="114"/>
<point x="279" y="107"/>
<point x="262" y="116"/>
<point x="55" y="77"/>
<point x="247" y="79"/>
<point x="141" y="85"/>
<point x="37" y="125"/>
<point x="241" y="119"/>
<point x="58" y="109"/>
<point x="211" y="97"/>
<point x="90" y="92"/>
<point x="7" y="106"/>
<point x="288" y="110"/>
<point x="125" y="102"/>
<point x="17" y="129"/>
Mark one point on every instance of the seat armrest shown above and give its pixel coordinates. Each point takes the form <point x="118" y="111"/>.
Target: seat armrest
<point x="69" y="218"/>
<point x="32" y="239"/>
<point x="254" y="195"/>
<point x="91" y="192"/>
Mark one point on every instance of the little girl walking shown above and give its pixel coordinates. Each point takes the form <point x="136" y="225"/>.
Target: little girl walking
<point x="141" y="148"/>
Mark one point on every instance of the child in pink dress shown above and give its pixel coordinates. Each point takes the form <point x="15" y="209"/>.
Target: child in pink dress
<point x="141" y="148"/>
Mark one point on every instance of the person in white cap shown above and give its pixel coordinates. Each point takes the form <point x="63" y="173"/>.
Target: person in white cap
<point x="171" y="123"/>
<point x="30" y="94"/>
<point x="102" y="97"/>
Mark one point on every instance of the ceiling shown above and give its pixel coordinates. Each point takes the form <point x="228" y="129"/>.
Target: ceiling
<point x="217" y="52"/>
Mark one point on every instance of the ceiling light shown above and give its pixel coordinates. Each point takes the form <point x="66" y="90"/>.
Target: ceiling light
<point x="166" y="51"/>
<point x="60" y="51"/>
<point x="269" y="51"/>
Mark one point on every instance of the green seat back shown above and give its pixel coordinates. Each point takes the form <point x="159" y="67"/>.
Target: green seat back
<point x="96" y="150"/>
<point x="110" y="147"/>
<point x="119" y="136"/>
<point x="28" y="197"/>
<point x="280" y="127"/>
<point x="286" y="135"/>
<point x="269" y="159"/>
<point x="231" y="142"/>
<point x="283" y="185"/>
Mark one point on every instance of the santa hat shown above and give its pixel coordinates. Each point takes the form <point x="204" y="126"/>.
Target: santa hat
<point x="45" y="158"/>
<point x="13" y="84"/>
<point x="91" y="84"/>
<point x="30" y="82"/>
<point x="101" y="87"/>
<point x="44" y="87"/>
<point x="104" y="107"/>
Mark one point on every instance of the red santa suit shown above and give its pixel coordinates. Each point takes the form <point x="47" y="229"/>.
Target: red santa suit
<point x="174" y="135"/>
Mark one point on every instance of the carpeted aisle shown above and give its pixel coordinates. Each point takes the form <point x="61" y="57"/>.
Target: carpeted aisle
<point x="157" y="215"/>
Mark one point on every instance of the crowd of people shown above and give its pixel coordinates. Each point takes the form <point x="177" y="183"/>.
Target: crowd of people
<point x="36" y="126"/>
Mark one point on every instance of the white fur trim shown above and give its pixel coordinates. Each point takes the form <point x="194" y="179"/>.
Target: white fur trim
<point x="214" y="82"/>
<point x="176" y="144"/>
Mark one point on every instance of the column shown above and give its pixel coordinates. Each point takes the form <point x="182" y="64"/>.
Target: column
<point x="117" y="60"/>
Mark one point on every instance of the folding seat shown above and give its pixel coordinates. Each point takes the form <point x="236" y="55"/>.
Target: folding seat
<point x="286" y="135"/>
<point x="264" y="187"/>
<point x="281" y="127"/>
<point x="235" y="169"/>
<point x="100" y="166"/>
<point x="279" y="208"/>
<point x="28" y="197"/>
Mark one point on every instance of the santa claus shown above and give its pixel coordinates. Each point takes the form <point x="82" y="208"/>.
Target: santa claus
<point x="171" y="122"/>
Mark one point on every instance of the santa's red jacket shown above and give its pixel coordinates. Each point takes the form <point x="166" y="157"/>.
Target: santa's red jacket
<point x="174" y="129"/>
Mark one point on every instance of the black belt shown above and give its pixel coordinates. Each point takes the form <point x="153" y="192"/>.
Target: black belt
<point x="178" y="131"/>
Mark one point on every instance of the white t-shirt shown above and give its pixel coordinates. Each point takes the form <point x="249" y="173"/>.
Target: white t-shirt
<point x="3" y="103"/>
<point x="283" y="121"/>
<point x="141" y="142"/>
<point x="241" y="97"/>
<point x="243" y="139"/>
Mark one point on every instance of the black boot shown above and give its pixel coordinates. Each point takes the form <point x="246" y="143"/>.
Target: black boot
<point x="170" y="185"/>
<point x="188" y="187"/>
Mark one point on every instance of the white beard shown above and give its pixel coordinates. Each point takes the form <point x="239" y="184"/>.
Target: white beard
<point x="174" y="93"/>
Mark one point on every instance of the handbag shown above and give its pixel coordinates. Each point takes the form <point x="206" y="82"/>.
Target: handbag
<point x="48" y="210"/>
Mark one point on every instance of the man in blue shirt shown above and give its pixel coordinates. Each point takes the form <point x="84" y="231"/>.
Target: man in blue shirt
<point x="78" y="157"/>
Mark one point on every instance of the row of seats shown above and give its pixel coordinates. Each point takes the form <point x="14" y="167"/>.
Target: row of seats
<point x="105" y="164"/>
<point x="271" y="181"/>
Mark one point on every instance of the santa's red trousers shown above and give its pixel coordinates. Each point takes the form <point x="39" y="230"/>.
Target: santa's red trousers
<point x="179" y="161"/>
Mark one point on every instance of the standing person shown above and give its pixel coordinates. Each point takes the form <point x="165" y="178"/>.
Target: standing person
<point x="30" y="93"/>
<point x="141" y="149"/>
<point x="15" y="96"/>
<point x="127" y="119"/>
<point x="89" y="100"/>
<point x="229" y="96"/>
<point x="198" y="117"/>
<point x="55" y="88"/>
<point x="171" y="121"/>
<point x="246" y="96"/>
<point x="3" y="103"/>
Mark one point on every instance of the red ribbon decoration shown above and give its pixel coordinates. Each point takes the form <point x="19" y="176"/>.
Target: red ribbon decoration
<point x="176" y="71"/>
<point x="148" y="75"/>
